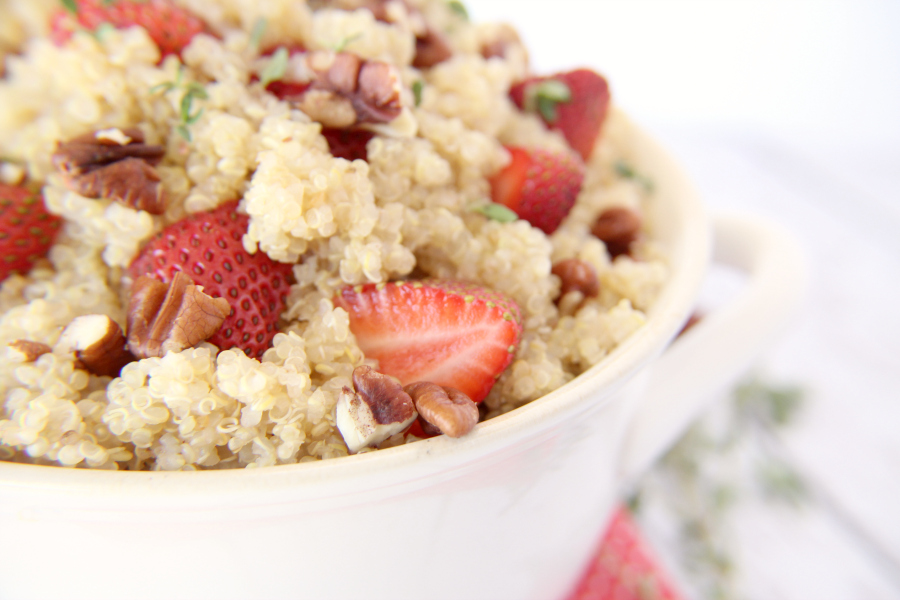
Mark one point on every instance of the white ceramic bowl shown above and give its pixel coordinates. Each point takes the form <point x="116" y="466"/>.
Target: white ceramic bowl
<point x="511" y="511"/>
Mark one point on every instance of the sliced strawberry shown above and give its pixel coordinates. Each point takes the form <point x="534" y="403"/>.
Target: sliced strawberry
<point x="450" y="333"/>
<point x="575" y="103"/>
<point x="27" y="230"/>
<point x="284" y="90"/>
<point x="348" y="143"/>
<point x="207" y="246"/>
<point x="539" y="185"/>
<point x="169" y="25"/>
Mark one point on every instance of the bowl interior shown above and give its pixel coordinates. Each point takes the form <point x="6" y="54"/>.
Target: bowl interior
<point x="677" y="219"/>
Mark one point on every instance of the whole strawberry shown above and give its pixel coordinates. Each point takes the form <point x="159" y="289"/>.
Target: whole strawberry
<point x="575" y="103"/>
<point x="539" y="185"/>
<point x="207" y="246"/>
<point x="27" y="230"/>
<point x="167" y="24"/>
<point x="450" y="333"/>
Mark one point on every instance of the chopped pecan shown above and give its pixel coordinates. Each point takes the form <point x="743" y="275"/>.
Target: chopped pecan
<point x="114" y="164"/>
<point x="446" y="408"/>
<point x="174" y="316"/>
<point x="431" y="48"/>
<point x="343" y="82"/>
<point x="374" y="410"/>
<point x="617" y="227"/>
<point x="30" y="351"/>
<point x="98" y="343"/>
<point x="576" y="276"/>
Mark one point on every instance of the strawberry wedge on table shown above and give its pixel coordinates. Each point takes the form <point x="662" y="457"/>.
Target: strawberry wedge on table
<point x="450" y="333"/>
<point x="539" y="185"/>
<point x="574" y="103"/>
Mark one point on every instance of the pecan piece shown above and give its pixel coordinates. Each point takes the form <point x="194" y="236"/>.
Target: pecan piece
<point x="431" y="48"/>
<point x="98" y="343"/>
<point x="171" y="317"/>
<point x="114" y="164"/>
<point x="617" y="227"/>
<point x="577" y="278"/>
<point x="446" y="408"/>
<point x="30" y="351"/>
<point x="374" y="410"/>
<point x="347" y="90"/>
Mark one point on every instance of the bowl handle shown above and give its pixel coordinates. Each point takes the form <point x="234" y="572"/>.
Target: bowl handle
<point x="714" y="353"/>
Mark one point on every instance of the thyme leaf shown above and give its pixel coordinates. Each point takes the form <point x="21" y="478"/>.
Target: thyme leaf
<point x="417" y="87"/>
<point x="496" y="212"/>
<point x="459" y="8"/>
<point x="342" y="45"/>
<point x="276" y="68"/>
<point x="626" y="171"/>
<point x="544" y="97"/>
<point x="256" y="35"/>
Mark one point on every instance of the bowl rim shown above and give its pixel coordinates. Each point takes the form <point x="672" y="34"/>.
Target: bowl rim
<point x="439" y="457"/>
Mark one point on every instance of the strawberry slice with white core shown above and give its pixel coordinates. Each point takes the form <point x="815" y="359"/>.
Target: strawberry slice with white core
<point x="450" y="333"/>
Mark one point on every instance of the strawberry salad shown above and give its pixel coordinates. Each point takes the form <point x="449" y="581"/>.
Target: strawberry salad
<point x="240" y="234"/>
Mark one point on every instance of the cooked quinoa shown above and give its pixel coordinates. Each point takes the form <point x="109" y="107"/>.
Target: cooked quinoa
<point x="405" y="212"/>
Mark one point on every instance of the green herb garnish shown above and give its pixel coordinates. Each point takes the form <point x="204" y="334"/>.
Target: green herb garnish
<point x="256" y="35"/>
<point x="342" y="45"/>
<point x="496" y="212"/>
<point x="192" y="91"/>
<point x="71" y="6"/>
<point x="780" y="481"/>
<point x="459" y="8"/>
<point x="276" y="68"/>
<point x="168" y="86"/>
<point x="103" y="29"/>
<point x="626" y="171"/>
<point x="417" y="91"/>
<point x="543" y="98"/>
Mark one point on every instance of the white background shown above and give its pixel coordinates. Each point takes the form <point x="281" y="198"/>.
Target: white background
<point x="822" y="66"/>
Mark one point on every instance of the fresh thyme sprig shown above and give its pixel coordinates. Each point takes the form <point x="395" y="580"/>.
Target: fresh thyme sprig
<point x="626" y="171"/>
<point x="706" y="475"/>
<point x="190" y="92"/>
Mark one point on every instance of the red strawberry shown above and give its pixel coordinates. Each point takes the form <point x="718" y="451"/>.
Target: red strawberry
<point x="575" y="103"/>
<point x="284" y="90"/>
<point x="348" y="143"/>
<point x="447" y="332"/>
<point x="170" y="26"/>
<point x="623" y="568"/>
<point x="27" y="230"/>
<point x="207" y="246"/>
<point x="539" y="185"/>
